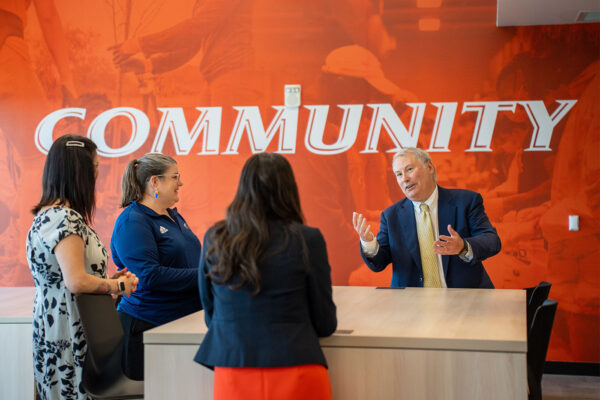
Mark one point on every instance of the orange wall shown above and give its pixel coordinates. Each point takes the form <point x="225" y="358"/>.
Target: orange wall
<point x="519" y="123"/>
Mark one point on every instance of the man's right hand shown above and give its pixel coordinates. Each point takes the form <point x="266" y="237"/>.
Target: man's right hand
<point x="360" y="226"/>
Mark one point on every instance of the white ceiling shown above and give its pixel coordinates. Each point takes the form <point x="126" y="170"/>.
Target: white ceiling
<point x="542" y="12"/>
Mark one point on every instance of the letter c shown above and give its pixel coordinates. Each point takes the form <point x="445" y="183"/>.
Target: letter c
<point x="44" y="130"/>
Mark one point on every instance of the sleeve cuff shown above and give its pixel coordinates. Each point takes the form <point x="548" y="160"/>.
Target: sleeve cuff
<point x="468" y="257"/>
<point x="371" y="248"/>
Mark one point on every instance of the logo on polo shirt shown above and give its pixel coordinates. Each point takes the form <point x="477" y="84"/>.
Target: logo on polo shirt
<point x="163" y="229"/>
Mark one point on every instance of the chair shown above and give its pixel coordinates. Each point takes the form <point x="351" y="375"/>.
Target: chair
<point x="535" y="297"/>
<point x="103" y="376"/>
<point x="537" y="346"/>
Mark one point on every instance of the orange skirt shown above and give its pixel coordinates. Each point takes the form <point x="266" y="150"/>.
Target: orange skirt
<point x="299" y="382"/>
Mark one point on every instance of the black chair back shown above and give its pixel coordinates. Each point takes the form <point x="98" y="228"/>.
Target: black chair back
<point x="537" y="346"/>
<point x="535" y="297"/>
<point x="103" y="376"/>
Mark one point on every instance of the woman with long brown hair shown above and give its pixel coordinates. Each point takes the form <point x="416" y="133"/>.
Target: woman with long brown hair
<point x="66" y="257"/>
<point x="265" y="285"/>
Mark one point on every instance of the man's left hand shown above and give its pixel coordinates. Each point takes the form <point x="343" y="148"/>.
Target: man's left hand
<point x="449" y="245"/>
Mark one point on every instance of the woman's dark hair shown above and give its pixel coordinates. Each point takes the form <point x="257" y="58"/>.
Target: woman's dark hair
<point x="138" y="173"/>
<point x="266" y="191"/>
<point x="70" y="176"/>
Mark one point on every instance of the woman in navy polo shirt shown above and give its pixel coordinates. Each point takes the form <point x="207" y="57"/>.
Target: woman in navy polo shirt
<point x="265" y="284"/>
<point x="154" y="242"/>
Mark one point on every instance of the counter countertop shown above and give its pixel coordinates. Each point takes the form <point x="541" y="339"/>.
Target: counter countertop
<point x="450" y="319"/>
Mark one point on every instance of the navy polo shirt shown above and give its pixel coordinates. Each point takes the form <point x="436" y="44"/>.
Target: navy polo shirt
<point x="164" y="254"/>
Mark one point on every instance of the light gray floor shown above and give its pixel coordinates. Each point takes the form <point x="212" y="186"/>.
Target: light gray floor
<point x="570" y="387"/>
<point x="567" y="387"/>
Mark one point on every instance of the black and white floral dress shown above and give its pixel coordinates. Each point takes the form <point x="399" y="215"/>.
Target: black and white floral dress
<point x="59" y="345"/>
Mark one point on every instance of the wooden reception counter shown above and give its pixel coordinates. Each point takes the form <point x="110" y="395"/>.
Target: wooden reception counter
<point x="413" y="343"/>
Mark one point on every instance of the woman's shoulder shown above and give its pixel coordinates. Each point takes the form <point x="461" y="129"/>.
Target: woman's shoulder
<point x="210" y="233"/>
<point x="131" y="222"/>
<point x="277" y="225"/>
<point x="309" y="233"/>
<point x="57" y="222"/>
<point x="131" y="214"/>
<point x="57" y="214"/>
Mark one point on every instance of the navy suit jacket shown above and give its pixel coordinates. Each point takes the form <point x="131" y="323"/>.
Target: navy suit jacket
<point x="281" y="325"/>
<point x="399" y="245"/>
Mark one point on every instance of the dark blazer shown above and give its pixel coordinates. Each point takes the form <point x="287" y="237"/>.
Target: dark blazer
<point x="399" y="245"/>
<point x="281" y="325"/>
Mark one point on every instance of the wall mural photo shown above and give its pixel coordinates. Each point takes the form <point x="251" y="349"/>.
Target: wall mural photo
<point x="512" y="113"/>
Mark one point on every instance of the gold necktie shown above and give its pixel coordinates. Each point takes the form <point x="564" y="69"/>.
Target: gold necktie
<point x="431" y="274"/>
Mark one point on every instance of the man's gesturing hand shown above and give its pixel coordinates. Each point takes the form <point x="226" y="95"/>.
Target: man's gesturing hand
<point x="449" y="245"/>
<point x="361" y="227"/>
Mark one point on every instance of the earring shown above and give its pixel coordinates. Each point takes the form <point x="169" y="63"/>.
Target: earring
<point x="156" y="194"/>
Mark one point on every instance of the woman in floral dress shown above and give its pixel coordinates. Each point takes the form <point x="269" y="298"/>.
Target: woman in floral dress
<point x="66" y="257"/>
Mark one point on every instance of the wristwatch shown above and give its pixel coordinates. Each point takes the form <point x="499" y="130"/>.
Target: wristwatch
<point x="465" y="249"/>
<point x="121" y="286"/>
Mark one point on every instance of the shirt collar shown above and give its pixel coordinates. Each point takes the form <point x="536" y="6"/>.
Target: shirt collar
<point x="148" y="211"/>
<point x="431" y="201"/>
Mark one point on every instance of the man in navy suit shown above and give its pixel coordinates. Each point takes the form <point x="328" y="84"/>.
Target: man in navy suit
<point x="458" y="234"/>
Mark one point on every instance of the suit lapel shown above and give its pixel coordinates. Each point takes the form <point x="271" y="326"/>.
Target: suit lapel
<point x="406" y="217"/>
<point x="446" y="216"/>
